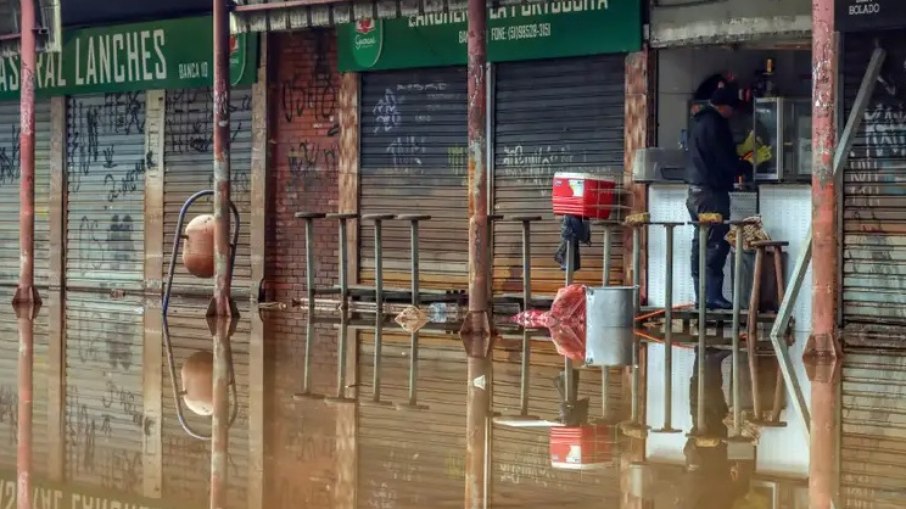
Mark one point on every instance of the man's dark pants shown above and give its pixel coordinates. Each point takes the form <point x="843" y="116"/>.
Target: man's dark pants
<point x="701" y="201"/>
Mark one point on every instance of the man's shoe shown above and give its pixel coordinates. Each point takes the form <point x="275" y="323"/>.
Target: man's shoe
<point x="719" y="303"/>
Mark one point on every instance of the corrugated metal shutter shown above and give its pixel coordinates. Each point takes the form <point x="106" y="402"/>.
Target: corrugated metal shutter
<point x="521" y="468"/>
<point x="874" y="237"/>
<point x="188" y="168"/>
<point x="552" y="116"/>
<point x="413" y="459"/>
<point x="9" y="275"/>
<point x="413" y="161"/>
<point x="873" y="456"/>
<point x="104" y="284"/>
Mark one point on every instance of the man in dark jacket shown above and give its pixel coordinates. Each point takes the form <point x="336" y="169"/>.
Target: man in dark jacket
<point x="712" y="170"/>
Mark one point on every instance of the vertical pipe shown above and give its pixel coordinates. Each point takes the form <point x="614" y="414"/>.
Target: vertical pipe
<point x="344" y="264"/>
<point x="823" y="345"/>
<point x="608" y="249"/>
<point x="221" y="304"/>
<point x="309" y="259"/>
<point x="703" y="231"/>
<point x="637" y="302"/>
<point x="737" y="306"/>
<point x="668" y="332"/>
<point x="26" y="298"/>
<point x="476" y="332"/>
<point x="222" y="301"/>
<point x="26" y="290"/>
<point x="526" y="265"/>
<point x="416" y="300"/>
<point x="379" y="314"/>
<point x="568" y="372"/>
<point x="220" y="423"/>
<point x="824" y="192"/>
<point x="309" y="338"/>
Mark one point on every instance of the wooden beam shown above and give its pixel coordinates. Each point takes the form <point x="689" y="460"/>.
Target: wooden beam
<point x="346" y="493"/>
<point x="153" y="353"/>
<point x="56" y="357"/>
<point x="258" y="227"/>
<point x="348" y="165"/>
<point x="639" y="133"/>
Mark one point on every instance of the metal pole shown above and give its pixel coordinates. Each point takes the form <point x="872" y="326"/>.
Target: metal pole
<point x="26" y="300"/>
<point x="737" y="306"/>
<point x="220" y="424"/>
<point x="221" y="304"/>
<point x="568" y="372"/>
<point x="824" y="189"/>
<point x="416" y="300"/>
<point x="476" y="333"/>
<point x="668" y="333"/>
<point x="344" y="263"/>
<point x="636" y="282"/>
<point x="310" y="259"/>
<point x="379" y="315"/>
<point x="608" y="249"/>
<point x="703" y="231"/>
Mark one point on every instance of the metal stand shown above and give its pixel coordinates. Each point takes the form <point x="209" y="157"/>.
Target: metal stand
<point x="525" y="366"/>
<point x="309" y="218"/>
<point x="669" y="230"/>
<point x="378" y="219"/>
<point x="412" y="403"/>
<point x="738" y="446"/>
<point x="342" y="339"/>
<point x="569" y="372"/>
<point x="635" y="428"/>
<point x="165" y="306"/>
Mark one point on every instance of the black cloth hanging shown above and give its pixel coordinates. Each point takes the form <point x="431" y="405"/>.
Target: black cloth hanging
<point x="573" y="229"/>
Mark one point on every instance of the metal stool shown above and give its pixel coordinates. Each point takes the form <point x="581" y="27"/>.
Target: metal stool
<point x="414" y="220"/>
<point x="525" y="365"/>
<point x="669" y="230"/>
<point x="306" y="393"/>
<point x="309" y="218"/>
<point x="343" y="219"/>
<point x="634" y="428"/>
<point x="378" y="220"/>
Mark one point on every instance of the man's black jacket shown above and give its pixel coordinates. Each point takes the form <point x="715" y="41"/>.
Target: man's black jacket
<point x="712" y="159"/>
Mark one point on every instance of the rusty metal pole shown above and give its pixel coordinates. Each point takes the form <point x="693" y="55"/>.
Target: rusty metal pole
<point x="476" y="332"/>
<point x="222" y="304"/>
<point x="222" y="307"/>
<point x="26" y="301"/>
<point x="823" y="350"/>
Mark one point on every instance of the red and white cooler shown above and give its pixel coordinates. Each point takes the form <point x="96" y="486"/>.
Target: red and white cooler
<point x="586" y="447"/>
<point x="584" y="195"/>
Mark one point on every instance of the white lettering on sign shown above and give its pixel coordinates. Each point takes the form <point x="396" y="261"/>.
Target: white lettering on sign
<point x="864" y="7"/>
<point x="533" y="9"/>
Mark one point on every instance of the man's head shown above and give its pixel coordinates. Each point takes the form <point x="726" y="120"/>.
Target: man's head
<point x="725" y="100"/>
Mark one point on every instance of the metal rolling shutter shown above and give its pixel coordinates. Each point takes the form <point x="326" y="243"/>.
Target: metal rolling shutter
<point x="9" y="275"/>
<point x="873" y="452"/>
<point x="413" y="459"/>
<point x="104" y="283"/>
<point x="188" y="168"/>
<point x="521" y="469"/>
<point x="413" y="160"/>
<point x="874" y="214"/>
<point x="551" y="116"/>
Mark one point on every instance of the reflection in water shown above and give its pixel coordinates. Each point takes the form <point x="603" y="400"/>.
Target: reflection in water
<point x="376" y="454"/>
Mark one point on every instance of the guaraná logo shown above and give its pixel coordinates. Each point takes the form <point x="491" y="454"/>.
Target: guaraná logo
<point x="367" y="42"/>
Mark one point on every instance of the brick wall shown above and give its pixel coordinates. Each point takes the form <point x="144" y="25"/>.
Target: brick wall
<point x="304" y="144"/>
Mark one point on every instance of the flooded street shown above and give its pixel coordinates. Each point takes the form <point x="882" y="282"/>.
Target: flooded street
<point x="407" y="449"/>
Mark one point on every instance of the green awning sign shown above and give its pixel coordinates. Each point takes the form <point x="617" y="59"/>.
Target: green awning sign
<point x="533" y="31"/>
<point x="152" y="55"/>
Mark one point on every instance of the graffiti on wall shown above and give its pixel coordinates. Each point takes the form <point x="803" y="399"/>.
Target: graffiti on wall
<point x="311" y="98"/>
